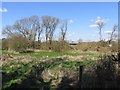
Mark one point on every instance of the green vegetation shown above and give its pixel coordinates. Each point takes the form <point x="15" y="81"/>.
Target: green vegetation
<point x="4" y="51"/>
<point x="16" y="72"/>
<point x="38" y="74"/>
<point x="100" y="47"/>
<point x="50" y="54"/>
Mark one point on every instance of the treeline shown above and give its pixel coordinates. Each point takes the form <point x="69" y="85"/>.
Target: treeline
<point x="27" y="32"/>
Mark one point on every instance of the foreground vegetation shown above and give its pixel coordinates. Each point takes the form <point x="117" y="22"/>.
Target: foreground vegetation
<point x="15" y="73"/>
<point x="61" y="73"/>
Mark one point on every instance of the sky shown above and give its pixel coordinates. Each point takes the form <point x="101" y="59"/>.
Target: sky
<point x="81" y="16"/>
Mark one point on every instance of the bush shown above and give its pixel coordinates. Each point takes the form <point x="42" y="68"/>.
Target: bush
<point x="105" y="72"/>
<point x="57" y="46"/>
<point x="17" y="43"/>
<point x="26" y="51"/>
<point x="85" y="46"/>
<point x="44" y="46"/>
<point x="114" y="47"/>
<point x="60" y="46"/>
<point x="5" y="44"/>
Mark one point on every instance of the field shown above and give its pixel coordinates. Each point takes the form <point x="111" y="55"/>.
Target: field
<point x="48" y="69"/>
<point x="41" y="61"/>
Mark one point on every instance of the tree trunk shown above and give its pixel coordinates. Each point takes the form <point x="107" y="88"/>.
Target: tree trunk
<point x="100" y="35"/>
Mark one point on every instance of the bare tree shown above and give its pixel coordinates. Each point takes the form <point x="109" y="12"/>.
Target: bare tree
<point x="45" y="21"/>
<point x="35" y="28"/>
<point x="7" y="31"/>
<point x="49" y="24"/>
<point x="113" y="34"/>
<point x="21" y="27"/>
<point x="63" y="28"/>
<point x="40" y="30"/>
<point x="28" y="27"/>
<point x="100" y="24"/>
<point x="15" y="40"/>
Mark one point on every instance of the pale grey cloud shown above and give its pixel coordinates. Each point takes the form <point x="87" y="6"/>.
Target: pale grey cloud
<point x="93" y="25"/>
<point x="98" y="17"/>
<point x="98" y="20"/>
<point x="108" y="32"/>
<point x="72" y="34"/>
<point x="3" y="10"/>
<point x="71" y="21"/>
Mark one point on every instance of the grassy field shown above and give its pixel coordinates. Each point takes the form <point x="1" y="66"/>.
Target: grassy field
<point x="51" y="54"/>
<point x="24" y="70"/>
<point x="50" y="72"/>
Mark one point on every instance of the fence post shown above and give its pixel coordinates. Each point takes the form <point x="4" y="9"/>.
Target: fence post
<point x="80" y="75"/>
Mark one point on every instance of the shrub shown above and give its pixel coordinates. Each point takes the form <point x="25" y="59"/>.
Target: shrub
<point x="114" y="47"/>
<point x="60" y="46"/>
<point x="26" y="51"/>
<point x="17" y="43"/>
<point x="85" y="46"/>
<point x="57" y="46"/>
<point x="105" y="72"/>
<point x="5" y="44"/>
